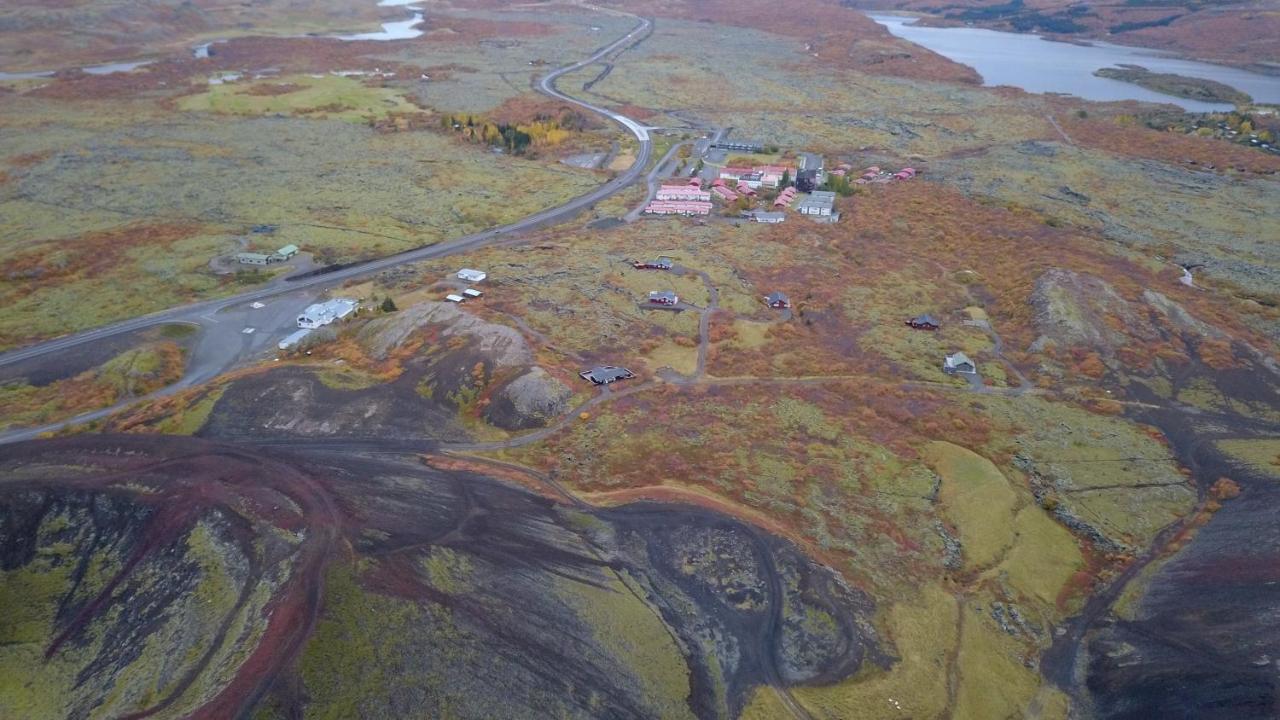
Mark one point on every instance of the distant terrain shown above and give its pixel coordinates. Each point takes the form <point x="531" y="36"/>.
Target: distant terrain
<point x="1230" y="33"/>
<point x="1177" y="85"/>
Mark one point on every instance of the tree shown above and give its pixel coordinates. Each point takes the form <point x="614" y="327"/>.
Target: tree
<point x="786" y="179"/>
<point x="389" y="305"/>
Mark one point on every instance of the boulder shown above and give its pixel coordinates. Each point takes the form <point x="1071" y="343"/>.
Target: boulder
<point x="530" y="400"/>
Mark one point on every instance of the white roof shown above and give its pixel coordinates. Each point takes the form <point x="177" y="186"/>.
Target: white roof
<point x="958" y="359"/>
<point x="454" y="298"/>
<point x="472" y="275"/>
<point x="294" y="338"/>
<point x="472" y="292"/>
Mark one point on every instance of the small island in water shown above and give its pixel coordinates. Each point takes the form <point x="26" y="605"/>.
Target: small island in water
<point x="1176" y="85"/>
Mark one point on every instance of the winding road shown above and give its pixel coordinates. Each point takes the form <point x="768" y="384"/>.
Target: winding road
<point x="203" y="314"/>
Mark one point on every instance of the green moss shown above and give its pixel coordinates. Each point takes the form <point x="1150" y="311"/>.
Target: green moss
<point x="923" y="630"/>
<point x="637" y="638"/>
<point x="1044" y="556"/>
<point x="977" y="499"/>
<point x="327" y="96"/>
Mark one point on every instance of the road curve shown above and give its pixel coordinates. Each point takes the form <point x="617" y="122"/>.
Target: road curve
<point x="546" y="85"/>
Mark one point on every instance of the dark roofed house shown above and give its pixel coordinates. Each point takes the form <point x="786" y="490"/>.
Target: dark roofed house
<point x="662" y="263"/>
<point x="605" y="374"/>
<point x="959" y="363"/>
<point x="777" y="300"/>
<point x="664" y="297"/>
<point x="923" y="322"/>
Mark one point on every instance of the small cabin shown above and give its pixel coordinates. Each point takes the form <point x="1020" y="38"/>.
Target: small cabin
<point x="472" y="276"/>
<point x="923" y="322"/>
<point x="777" y="300"/>
<point x="959" y="363"/>
<point x="605" y="374"/>
<point x="662" y="263"/>
<point x="663" y="297"/>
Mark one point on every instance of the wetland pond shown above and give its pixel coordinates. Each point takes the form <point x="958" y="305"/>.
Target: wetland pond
<point x="1038" y="65"/>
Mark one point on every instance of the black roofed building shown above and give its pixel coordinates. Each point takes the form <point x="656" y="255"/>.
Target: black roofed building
<point x="605" y="374"/>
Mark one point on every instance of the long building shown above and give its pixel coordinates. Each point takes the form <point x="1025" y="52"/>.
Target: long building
<point x="678" y="207"/>
<point x="682" y="192"/>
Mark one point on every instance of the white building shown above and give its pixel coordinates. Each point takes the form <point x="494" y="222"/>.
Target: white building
<point x="293" y="338"/>
<point x="472" y="276"/>
<point x="819" y="202"/>
<point x="322" y="314"/>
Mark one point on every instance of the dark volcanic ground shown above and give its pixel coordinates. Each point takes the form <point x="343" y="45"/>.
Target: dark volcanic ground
<point x="1206" y="641"/>
<point x="157" y="576"/>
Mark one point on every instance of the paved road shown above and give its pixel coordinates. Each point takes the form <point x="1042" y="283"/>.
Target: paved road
<point x="223" y="341"/>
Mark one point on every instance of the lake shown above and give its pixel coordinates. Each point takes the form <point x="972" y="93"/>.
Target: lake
<point x="1041" y="66"/>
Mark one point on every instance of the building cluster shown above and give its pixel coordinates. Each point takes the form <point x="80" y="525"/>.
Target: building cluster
<point x="468" y="275"/>
<point x="252" y="258"/>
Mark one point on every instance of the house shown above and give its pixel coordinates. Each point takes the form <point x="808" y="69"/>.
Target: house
<point x="751" y="179"/>
<point x="959" y="363"/>
<point x="904" y="174"/>
<point x="250" y="258"/>
<point x="287" y="252"/>
<point x="605" y="374"/>
<point x="745" y="189"/>
<point x="785" y="197"/>
<point x="472" y="293"/>
<point x="321" y="314"/>
<point x="771" y="218"/>
<point x="724" y="193"/>
<point x="777" y="300"/>
<point x="663" y="297"/>
<point x="454" y="298"/>
<point x="662" y="263"/>
<point x="472" y="276"/>
<point x="821" y="204"/>
<point x="923" y="322"/>
<point x="293" y="338"/>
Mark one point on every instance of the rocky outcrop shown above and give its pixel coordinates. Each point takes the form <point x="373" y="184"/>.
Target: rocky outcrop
<point x="503" y="346"/>
<point x="1080" y="309"/>
<point x="531" y="400"/>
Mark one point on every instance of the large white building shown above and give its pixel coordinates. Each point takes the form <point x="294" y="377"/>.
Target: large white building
<point x="819" y="203"/>
<point x="321" y="314"/>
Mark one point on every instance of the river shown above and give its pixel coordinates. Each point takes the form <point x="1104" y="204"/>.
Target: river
<point x="1041" y="66"/>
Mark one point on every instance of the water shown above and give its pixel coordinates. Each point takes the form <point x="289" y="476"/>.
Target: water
<point x="1037" y="65"/>
<point x="403" y="30"/>
<point x="117" y="67"/>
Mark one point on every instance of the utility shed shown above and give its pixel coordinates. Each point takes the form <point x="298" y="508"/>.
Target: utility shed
<point x="472" y="276"/>
<point x="249" y="258"/>
<point x="287" y="251"/>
